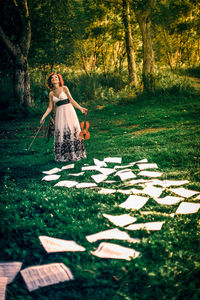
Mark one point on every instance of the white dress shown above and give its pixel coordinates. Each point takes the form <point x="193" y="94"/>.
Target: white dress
<point x="67" y="144"/>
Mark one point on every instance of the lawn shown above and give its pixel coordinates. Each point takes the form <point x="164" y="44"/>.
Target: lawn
<point x="164" y="130"/>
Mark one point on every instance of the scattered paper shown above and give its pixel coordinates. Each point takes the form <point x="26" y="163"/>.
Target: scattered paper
<point x="147" y="226"/>
<point x="126" y="175"/>
<point x="147" y="166"/>
<point x="51" y="177"/>
<point x="99" y="177"/>
<point x="106" y="191"/>
<point x="123" y="167"/>
<point x="44" y="275"/>
<point x="67" y="167"/>
<point x="66" y="183"/>
<point x="85" y="185"/>
<point x="109" y="250"/>
<point x="122" y="171"/>
<point x="134" y="202"/>
<point x="109" y="234"/>
<point x="141" y="161"/>
<point x="188" y="208"/>
<point x="3" y="284"/>
<point x="109" y="181"/>
<point x="130" y="191"/>
<point x="10" y="270"/>
<point x="90" y="168"/>
<point x="150" y="174"/>
<point x="106" y="171"/>
<point x="121" y="220"/>
<point x="52" y="171"/>
<point x="58" y="245"/>
<point x="184" y="192"/>
<point x="168" y="200"/>
<point x="76" y="174"/>
<point x="168" y="183"/>
<point x="99" y="163"/>
<point x="152" y="191"/>
<point x="197" y="197"/>
<point x="116" y="160"/>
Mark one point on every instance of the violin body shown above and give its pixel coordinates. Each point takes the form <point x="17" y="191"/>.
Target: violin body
<point x="84" y="134"/>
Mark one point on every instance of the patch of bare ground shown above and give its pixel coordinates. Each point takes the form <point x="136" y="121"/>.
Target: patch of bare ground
<point x="148" y="130"/>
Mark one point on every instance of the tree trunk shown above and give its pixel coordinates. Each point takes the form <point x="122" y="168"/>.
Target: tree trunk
<point x="132" y="71"/>
<point x="19" y="54"/>
<point x="143" y="18"/>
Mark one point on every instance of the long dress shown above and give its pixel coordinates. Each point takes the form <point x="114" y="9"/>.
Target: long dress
<point x="67" y="144"/>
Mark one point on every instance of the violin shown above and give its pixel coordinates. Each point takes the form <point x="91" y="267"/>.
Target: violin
<point x="84" y="134"/>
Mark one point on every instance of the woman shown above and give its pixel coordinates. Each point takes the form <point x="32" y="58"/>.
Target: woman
<point x="68" y="146"/>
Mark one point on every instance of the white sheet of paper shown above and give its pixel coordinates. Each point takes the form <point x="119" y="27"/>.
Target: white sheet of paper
<point x="184" y="192"/>
<point x="110" y="234"/>
<point x="51" y="177"/>
<point x="58" y="245"/>
<point x="121" y="220"/>
<point x="44" y="275"/>
<point x="67" y="167"/>
<point x="66" y="183"/>
<point x="126" y="175"/>
<point x="106" y="171"/>
<point x="168" y="183"/>
<point x="140" y="161"/>
<point x="152" y="191"/>
<point x="123" y="167"/>
<point x="109" y="250"/>
<point x="137" y="181"/>
<point x="3" y="284"/>
<point x="85" y="185"/>
<point x="10" y="270"/>
<point x="99" y="177"/>
<point x="168" y="200"/>
<point x="90" y="168"/>
<point x="197" y="197"/>
<point x="147" y="166"/>
<point x="147" y="226"/>
<point x="52" y="171"/>
<point x="99" y="163"/>
<point x="122" y="171"/>
<point x="188" y="208"/>
<point x="150" y="174"/>
<point x="76" y="174"/>
<point x="110" y="181"/>
<point x="106" y="191"/>
<point x="134" y="202"/>
<point x="116" y="160"/>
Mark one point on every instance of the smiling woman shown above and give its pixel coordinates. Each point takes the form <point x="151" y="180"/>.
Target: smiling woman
<point x="68" y="146"/>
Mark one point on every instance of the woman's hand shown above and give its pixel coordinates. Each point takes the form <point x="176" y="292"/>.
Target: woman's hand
<point x="83" y="110"/>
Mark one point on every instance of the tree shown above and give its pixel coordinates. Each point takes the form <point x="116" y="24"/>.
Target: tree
<point x="142" y="11"/>
<point x="18" y="49"/>
<point x="132" y="71"/>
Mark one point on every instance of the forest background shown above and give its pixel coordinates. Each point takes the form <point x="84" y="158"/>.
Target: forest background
<point x="107" y="51"/>
<point x="135" y="66"/>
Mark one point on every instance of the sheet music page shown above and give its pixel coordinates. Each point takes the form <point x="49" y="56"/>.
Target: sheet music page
<point x="188" y="208"/>
<point x="121" y="220"/>
<point x="58" y="245"/>
<point x="115" y="234"/>
<point x="10" y="270"/>
<point x="134" y="202"/>
<point x="147" y="226"/>
<point x="44" y="275"/>
<point x="109" y="250"/>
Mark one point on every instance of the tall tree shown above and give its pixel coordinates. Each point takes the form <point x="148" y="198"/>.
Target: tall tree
<point x="19" y="49"/>
<point x="142" y="11"/>
<point x="132" y="70"/>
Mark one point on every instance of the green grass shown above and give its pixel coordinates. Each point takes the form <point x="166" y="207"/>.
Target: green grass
<point x="165" y="130"/>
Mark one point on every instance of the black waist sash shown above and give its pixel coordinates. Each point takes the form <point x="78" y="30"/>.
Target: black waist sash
<point x="62" y="102"/>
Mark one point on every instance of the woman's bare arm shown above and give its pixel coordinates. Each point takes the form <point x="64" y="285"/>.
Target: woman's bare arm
<point x="49" y="109"/>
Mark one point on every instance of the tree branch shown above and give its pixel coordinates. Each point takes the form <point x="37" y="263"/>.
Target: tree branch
<point x="12" y="49"/>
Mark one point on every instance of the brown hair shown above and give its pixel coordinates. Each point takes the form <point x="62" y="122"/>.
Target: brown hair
<point x="49" y="84"/>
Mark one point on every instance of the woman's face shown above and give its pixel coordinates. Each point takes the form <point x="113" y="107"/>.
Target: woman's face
<point x="54" y="79"/>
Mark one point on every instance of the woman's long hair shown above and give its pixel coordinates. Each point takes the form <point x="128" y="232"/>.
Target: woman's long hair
<point x="50" y="85"/>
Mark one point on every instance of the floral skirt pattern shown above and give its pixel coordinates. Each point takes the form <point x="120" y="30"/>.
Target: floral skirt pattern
<point x="68" y="146"/>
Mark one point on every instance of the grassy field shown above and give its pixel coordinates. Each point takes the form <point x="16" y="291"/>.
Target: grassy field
<point x="164" y="130"/>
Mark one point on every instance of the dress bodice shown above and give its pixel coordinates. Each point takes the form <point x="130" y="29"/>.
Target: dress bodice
<point x="62" y="96"/>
